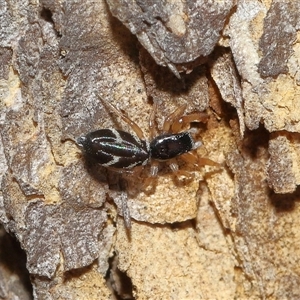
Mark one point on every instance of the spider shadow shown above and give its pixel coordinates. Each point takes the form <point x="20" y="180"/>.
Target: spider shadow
<point x="104" y="175"/>
<point x="178" y="179"/>
<point x="119" y="181"/>
<point x="138" y="180"/>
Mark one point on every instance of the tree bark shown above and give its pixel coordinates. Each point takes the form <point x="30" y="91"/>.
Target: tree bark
<point x="229" y="232"/>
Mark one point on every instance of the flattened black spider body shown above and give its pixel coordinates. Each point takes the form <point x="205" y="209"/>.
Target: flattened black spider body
<point x="115" y="148"/>
<point x="168" y="146"/>
<point x="120" y="149"/>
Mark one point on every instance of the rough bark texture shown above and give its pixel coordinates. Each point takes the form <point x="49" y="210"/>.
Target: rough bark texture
<point x="231" y="232"/>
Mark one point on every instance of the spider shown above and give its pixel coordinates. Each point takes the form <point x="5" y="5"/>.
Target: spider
<point x="122" y="151"/>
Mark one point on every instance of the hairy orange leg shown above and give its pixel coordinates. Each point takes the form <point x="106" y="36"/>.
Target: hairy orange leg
<point x="172" y="117"/>
<point x="187" y="175"/>
<point x="198" y="161"/>
<point x="194" y="117"/>
<point x="125" y="118"/>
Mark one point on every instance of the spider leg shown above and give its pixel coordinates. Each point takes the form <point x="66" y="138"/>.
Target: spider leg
<point x="194" y="117"/>
<point x="198" y="161"/>
<point x="149" y="181"/>
<point x="125" y="118"/>
<point x="154" y="169"/>
<point x="187" y="175"/>
<point x="170" y="119"/>
<point x="125" y="210"/>
<point x="152" y="124"/>
<point x="124" y="205"/>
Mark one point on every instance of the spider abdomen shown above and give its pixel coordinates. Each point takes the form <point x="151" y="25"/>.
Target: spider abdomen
<point x="115" y="148"/>
<point x="168" y="146"/>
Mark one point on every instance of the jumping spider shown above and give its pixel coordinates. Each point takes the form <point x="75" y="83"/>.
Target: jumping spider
<point x="122" y="151"/>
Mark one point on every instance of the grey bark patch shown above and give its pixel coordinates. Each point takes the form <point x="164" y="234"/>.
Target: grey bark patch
<point x="280" y="27"/>
<point x="174" y="33"/>
<point x="51" y="229"/>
